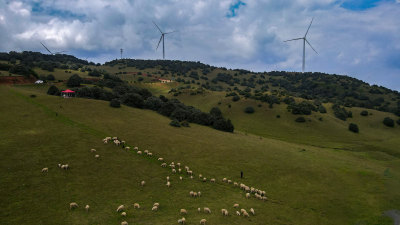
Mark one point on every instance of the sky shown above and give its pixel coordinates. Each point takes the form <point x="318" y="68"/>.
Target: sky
<point x="358" y="38"/>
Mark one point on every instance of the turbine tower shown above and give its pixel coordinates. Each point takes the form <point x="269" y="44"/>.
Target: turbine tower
<point x="162" y="38"/>
<point x="51" y="53"/>
<point x="121" y="50"/>
<point x="304" y="45"/>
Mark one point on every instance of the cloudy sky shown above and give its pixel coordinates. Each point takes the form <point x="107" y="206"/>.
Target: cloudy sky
<point x="359" y="38"/>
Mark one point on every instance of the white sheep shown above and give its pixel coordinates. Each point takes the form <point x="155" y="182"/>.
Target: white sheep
<point x="45" y="170"/>
<point x="191" y="177"/>
<point x="150" y="154"/>
<point x="236" y="205"/>
<point x="167" y="178"/>
<point x="136" y="206"/>
<point x="212" y="180"/>
<point x="237" y="213"/>
<point x="179" y="170"/>
<point x="264" y="198"/>
<point x="120" y="208"/>
<point x="229" y="182"/>
<point x="59" y="165"/>
<point x="127" y="148"/>
<point x="117" y="143"/>
<point x="203" y="221"/>
<point x="191" y="193"/>
<point x="168" y="184"/>
<point x="183" y="211"/>
<point x="124" y="223"/>
<point x="163" y="165"/>
<point x="115" y="138"/>
<point x="178" y="164"/>
<point x="224" y="212"/>
<point x="97" y="156"/>
<point x="252" y="211"/>
<point x="180" y="178"/>
<point x="123" y="142"/>
<point x="245" y="214"/>
<point x="204" y="179"/>
<point x="198" y="210"/>
<point x="173" y="170"/>
<point x="195" y="194"/>
<point x="182" y="221"/>
<point x="160" y="159"/>
<point x="123" y="214"/>
<point x="105" y="141"/>
<point x="224" y="180"/>
<point x="247" y="195"/>
<point x="87" y="208"/>
<point x="73" y="205"/>
<point x="92" y="150"/>
<point x="135" y="148"/>
<point x="156" y="204"/>
<point x="139" y="152"/>
<point x="146" y="151"/>
<point x="155" y="208"/>
<point x="199" y="194"/>
<point x="242" y="210"/>
<point x="235" y="184"/>
<point x="207" y="210"/>
<point x="142" y="183"/>
<point x="200" y="176"/>
<point x="190" y="172"/>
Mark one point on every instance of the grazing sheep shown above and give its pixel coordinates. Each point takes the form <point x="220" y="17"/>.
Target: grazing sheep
<point x="224" y="180"/>
<point x="120" y="208"/>
<point x="178" y="164"/>
<point x="136" y="206"/>
<point x="97" y="156"/>
<point x="65" y="167"/>
<point x="146" y="151"/>
<point x="123" y="142"/>
<point x="245" y="214"/>
<point x="156" y="204"/>
<point x="123" y="214"/>
<point x="191" y="193"/>
<point x="264" y="198"/>
<point x="183" y="211"/>
<point x="92" y="150"/>
<point x="139" y="152"/>
<point x="180" y="178"/>
<point x="198" y="210"/>
<point x="168" y="184"/>
<point x="124" y="223"/>
<point x="242" y="210"/>
<point x="207" y="210"/>
<point x="203" y="221"/>
<point x="163" y="165"/>
<point x="127" y="148"/>
<point x="224" y="212"/>
<point x="135" y="148"/>
<point x="191" y="177"/>
<point x="182" y="221"/>
<point x="45" y="170"/>
<point x="200" y="176"/>
<point x="195" y="194"/>
<point x="252" y="211"/>
<point x="247" y="195"/>
<point x="204" y="179"/>
<point x="117" y="143"/>
<point x="73" y="205"/>
<point x="173" y="170"/>
<point x="105" y="141"/>
<point x="229" y="182"/>
<point x="59" y="165"/>
<point x="142" y="183"/>
<point x="212" y="180"/>
<point x="190" y="172"/>
<point x="237" y="213"/>
<point x="115" y="138"/>
<point x="87" y="208"/>
<point x="155" y="208"/>
<point x="236" y="205"/>
<point x="199" y="194"/>
<point x="172" y="166"/>
<point x="150" y="154"/>
<point x="160" y="159"/>
<point x="167" y="178"/>
<point x="179" y="170"/>
<point x="235" y="184"/>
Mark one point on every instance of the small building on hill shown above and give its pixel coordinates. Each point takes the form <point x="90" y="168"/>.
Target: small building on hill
<point x="39" y="82"/>
<point x="164" y="80"/>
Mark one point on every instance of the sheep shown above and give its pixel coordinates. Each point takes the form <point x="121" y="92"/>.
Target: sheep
<point x="199" y="194"/>
<point x="224" y="212"/>
<point x="155" y="208"/>
<point x="191" y="193"/>
<point x="229" y="182"/>
<point x="146" y="151"/>
<point x="168" y="184"/>
<point x="235" y="184"/>
<point x="92" y="150"/>
<point x="178" y="164"/>
<point x="200" y="176"/>
<point x="247" y="195"/>
<point x="73" y="205"/>
<point x="136" y="148"/>
<point x="123" y="214"/>
<point x="59" y="165"/>
<point x="183" y="211"/>
<point x="204" y="179"/>
<point x="203" y="221"/>
<point x="97" y="156"/>
<point x="224" y="180"/>
<point x="207" y="210"/>
<point x="180" y="178"/>
<point x="212" y="180"/>
<point x="198" y="210"/>
<point x="123" y="142"/>
<point x="136" y="206"/>
<point x="160" y="159"/>
<point x="236" y="205"/>
<point x="45" y="170"/>
<point x="127" y="148"/>
<point x="264" y="198"/>
<point x="242" y="211"/>
<point x="173" y="171"/>
<point x="252" y="211"/>
<point x="237" y="213"/>
<point x="142" y="183"/>
<point x="117" y="143"/>
<point x="150" y="154"/>
<point x="115" y="138"/>
<point x="167" y="178"/>
<point x="105" y="141"/>
<point x="195" y="194"/>
<point x="156" y="204"/>
<point x="179" y="170"/>
<point x="163" y="165"/>
<point x="191" y="177"/>
<point x="182" y="221"/>
<point x="65" y="167"/>
<point x="139" y="152"/>
<point x="172" y="166"/>
<point x="87" y="208"/>
<point x="124" y="223"/>
<point x="120" y="208"/>
<point x="190" y="172"/>
<point x="245" y="214"/>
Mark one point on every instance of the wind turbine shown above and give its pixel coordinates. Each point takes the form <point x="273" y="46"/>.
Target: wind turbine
<point x="50" y="51"/>
<point x="162" y="38"/>
<point x="304" y="44"/>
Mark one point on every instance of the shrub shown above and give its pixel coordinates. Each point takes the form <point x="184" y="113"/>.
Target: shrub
<point x="235" y="98"/>
<point x="364" y="113"/>
<point x="224" y="125"/>
<point x="353" y="127"/>
<point x="74" y="81"/>
<point x="388" y="122"/>
<point x="115" y="103"/>
<point x="278" y="116"/>
<point x="32" y="96"/>
<point x="185" y="124"/>
<point x="50" y="77"/>
<point x="249" y="109"/>
<point x="216" y="112"/>
<point x="175" y="123"/>
<point x="133" y="100"/>
<point x="53" y="90"/>
<point x="398" y="121"/>
<point x="300" y="119"/>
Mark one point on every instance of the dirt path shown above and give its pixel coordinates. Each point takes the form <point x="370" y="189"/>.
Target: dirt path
<point x="395" y="215"/>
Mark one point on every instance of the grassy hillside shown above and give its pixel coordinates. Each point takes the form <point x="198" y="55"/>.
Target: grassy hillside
<point x="305" y="184"/>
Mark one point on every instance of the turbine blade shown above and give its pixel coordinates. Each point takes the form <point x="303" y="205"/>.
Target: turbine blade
<point x="171" y="32"/>
<point x="157" y="27"/>
<point x="311" y="46"/>
<point x="293" y="39"/>
<point x="46" y="48"/>
<point x="159" y="41"/>
<point x="309" y="27"/>
<point x="60" y="52"/>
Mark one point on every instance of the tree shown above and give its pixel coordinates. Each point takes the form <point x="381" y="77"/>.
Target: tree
<point x="216" y="112"/>
<point x="353" y="127"/>
<point x="249" y="109"/>
<point x="300" y="119"/>
<point x="235" y="98"/>
<point x="388" y="122"/>
<point x="175" y="123"/>
<point x="50" y="77"/>
<point x="115" y="103"/>
<point x="364" y="113"/>
<point x="53" y="90"/>
<point x="224" y="125"/>
<point x="74" y="81"/>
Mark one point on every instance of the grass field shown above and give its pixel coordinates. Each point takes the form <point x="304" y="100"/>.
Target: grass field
<point x="305" y="184"/>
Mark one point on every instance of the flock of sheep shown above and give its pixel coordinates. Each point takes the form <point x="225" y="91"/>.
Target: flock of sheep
<point x="175" y="168"/>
